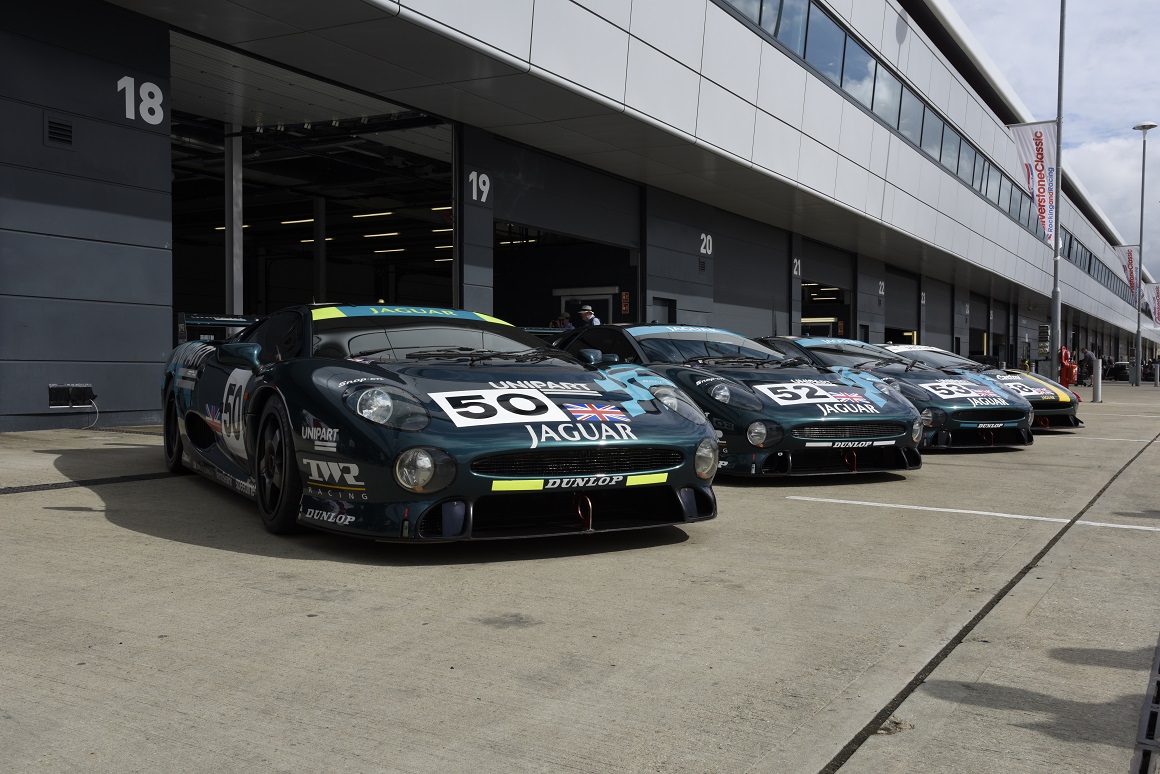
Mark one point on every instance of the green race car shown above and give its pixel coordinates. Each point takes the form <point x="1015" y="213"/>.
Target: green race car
<point x="425" y="424"/>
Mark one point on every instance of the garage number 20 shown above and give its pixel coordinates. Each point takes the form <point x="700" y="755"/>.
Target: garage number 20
<point x="472" y="408"/>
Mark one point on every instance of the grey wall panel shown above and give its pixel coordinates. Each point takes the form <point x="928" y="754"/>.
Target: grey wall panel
<point x="901" y="300"/>
<point x="67" y="206"/>
<point x="99" y="151"/>
<point x="871" y="304"/>
<point x="80" y="269"/>
<point x="65" y="80"/>
<point x="93" y="29"/>
<point x="118" y="386"/>
<point x="49" y="329"/>
<point x="535" y="189"/>
<point x="938" y="314"/>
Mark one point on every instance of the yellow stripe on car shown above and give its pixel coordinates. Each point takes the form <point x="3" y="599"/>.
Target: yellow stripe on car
<point x="517" y="486"/>
<point x="1063" y="396"/>
<point x="489" y="318"/>
<point x="326" y="313"/>
<point x="652" y="478"/>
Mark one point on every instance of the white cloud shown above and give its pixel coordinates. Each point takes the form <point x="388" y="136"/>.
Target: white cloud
<point x="1111" y="82"/>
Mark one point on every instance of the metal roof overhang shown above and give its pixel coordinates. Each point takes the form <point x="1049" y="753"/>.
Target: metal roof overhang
<point x="381" y="49"/>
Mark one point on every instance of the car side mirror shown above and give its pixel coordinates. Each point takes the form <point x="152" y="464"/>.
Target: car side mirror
<point x="608" y="357"/>
<point x="590" y="356"/>
<point x="240" y="355"/>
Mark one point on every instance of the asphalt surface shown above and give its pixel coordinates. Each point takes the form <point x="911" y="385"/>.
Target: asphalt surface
<point x="992" y="612"/>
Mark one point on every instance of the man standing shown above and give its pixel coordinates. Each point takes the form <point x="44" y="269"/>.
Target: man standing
<point x="587" y="317"/>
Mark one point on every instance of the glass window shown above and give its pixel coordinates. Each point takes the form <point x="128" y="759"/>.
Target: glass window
<point x="979" y="181"/>
<point x="751" y="8"/>
<point x="858" y="73"/>
<point x="769" y="11"/>
<point x="993" y="178"/>
<point x="950" y="149"/>
<point x="791" y="25"/>
<point x="887" y="95"/>
<point x="1025" y="209"/>
<point x="966" y="162"/>
<point x="932" y="127"/>
<point x="910" y="117"/>
<point x="824" y="43"/>
<point x="1004" y="193"/>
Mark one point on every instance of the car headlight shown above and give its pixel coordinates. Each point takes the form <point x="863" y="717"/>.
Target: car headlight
<point x="764" y="433"/>
<point x="932" y="417"/>
<point x="388" y="407"/>
<point x="916" y="428"/>
<point x="910" y="392"/>
<point x="705" y="459"/>
<point x="676" y="400"/>
<point x="424" y="469"/>
<point x="1031" y="415"/>
<point x="733" y="395"/>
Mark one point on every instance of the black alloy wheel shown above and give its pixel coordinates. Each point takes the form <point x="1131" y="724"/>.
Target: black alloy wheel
<point x="279" y="484"/>
<point x="173" y="443"/>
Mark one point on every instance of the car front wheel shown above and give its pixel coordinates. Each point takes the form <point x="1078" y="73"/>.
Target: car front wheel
<point x="279" y="484"/>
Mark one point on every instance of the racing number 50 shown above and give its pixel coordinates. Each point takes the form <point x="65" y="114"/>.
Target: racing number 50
<point x="472" y="408"/>
<point x="232" y="412"/>
<point x="478" y="407"/>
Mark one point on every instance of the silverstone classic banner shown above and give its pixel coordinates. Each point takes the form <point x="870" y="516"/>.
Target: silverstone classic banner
<point x="1150" y="304"/>
<point x="1036" y="146"/>
<point x="1127" y="255"/>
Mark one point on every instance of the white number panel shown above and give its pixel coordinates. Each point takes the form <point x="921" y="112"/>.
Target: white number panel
<point x="959" y="388"/>
<point x="1026" y="389"/>
<point x="801" y="394"/>
<point x="233" y="411"/>
<point x="475" y="408"/>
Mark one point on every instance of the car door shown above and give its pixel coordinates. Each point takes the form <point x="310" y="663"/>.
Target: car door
<point x="225" y="389"/>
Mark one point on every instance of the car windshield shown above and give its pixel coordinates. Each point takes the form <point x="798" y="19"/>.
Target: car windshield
<point x="684" y="346"/>
<point x="939" y="359"/>
<point x="835" y="353"/>
<point x="387" y="339"/>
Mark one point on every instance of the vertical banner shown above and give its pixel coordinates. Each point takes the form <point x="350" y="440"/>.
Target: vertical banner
<point x="1036" y="146"/>
<point x="1150" y="304"/>
<point x="1128" y="255"/>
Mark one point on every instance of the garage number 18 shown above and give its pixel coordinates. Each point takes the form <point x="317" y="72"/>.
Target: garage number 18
<point x="473" y="408"/>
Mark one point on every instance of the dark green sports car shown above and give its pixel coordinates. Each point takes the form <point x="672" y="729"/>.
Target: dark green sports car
<point x="1054" y="404"/>
<point x="958" y="410"/>
<point x="411" y="423"/>
<point x="776" y="414"/>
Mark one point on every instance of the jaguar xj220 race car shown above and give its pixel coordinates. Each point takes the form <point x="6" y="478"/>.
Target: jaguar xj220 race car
<point x="958" y="410"/>
<point x="1054" y="404"/>
<point x="775" y="414"/>
<point x="406" y="423"/>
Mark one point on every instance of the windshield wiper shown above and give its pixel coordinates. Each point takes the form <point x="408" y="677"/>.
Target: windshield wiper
<point x="794" y="361"/>
<point x="449" y="352"/>
<point x="879" y="362"/>
<point x="719" y="359"/>
<point x="532" y="355"/>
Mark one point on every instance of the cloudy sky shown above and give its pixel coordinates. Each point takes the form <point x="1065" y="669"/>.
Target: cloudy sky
<point x="1111" y="82"/>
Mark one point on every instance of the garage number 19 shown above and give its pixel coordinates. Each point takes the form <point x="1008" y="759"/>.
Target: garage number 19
<point x="473" y="408"/>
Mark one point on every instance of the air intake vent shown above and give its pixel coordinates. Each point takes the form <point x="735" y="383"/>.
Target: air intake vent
<point x="58" y="132"/>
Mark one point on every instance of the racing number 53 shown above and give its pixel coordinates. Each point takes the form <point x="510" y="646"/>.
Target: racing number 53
<point x="471" y="408"/>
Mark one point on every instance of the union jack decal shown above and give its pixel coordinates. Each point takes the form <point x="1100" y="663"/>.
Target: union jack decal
<point x="850" y="397"/>
<point x="213" y="418"/>
<point x="590" y="412"/>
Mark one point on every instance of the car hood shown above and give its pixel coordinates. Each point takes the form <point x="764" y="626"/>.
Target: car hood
<point x="807" y="391"/>
<point x="957" y="389"/>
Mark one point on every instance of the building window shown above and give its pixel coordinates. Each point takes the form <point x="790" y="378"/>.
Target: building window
<point x="910" y="117"/>
<point x="887" y="96"/>
<point x="824" y="43"/>
<point x="932" y="127"/>
<point x="966" y="162"/>
<point x="950" y="149"/>
<point x="790" y="28"/>
<point x="858" y="73"/>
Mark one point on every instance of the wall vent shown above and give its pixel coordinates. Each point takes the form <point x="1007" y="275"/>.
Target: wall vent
<point x="701" y="265"/>
<point x="70" y="395"/>
<point x="58" y="132"/>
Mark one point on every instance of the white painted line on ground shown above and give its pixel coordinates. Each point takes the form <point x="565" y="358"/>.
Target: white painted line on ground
<point x="973" y="513"/>
<point x="1142" y="416"/>
<point x="1092" y="438"/>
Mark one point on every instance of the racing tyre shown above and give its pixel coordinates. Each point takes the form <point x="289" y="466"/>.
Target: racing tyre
<point x="173" y="444"/>
<point x="279" y="485"/>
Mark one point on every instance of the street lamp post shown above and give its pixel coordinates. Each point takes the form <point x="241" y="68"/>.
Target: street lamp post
<point x="1143" y="129"/>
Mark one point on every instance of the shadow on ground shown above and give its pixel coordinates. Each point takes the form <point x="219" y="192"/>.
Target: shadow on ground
<point x="191" y="509"/>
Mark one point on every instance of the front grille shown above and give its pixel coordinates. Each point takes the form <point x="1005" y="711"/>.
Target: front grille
<point x="577" y="462"/>
<point x="988" y="415"/>
<point x="836" y="431"/>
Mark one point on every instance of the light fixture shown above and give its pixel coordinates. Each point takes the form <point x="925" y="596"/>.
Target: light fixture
<point x="440" y="260"/>
<point x="372" y="214"/>
<point x="1143" y="129"/>
<point x="292" y="222"/>
<point x="437" y="209"/>
<point x="439" y="230"/>
<point x="395" y="250"/>
<point x="809" y="284"/>
<point x="223" y="228"/>
<point x="389" y="233"/>
<point x="819" y="319"/>
<point x="825" y="298"/>
<point x="305" y="241"/>
<point x="442" y="247"/>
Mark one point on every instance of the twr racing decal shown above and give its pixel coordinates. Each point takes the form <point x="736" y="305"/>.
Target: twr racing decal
<point x="476" y="408"/>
